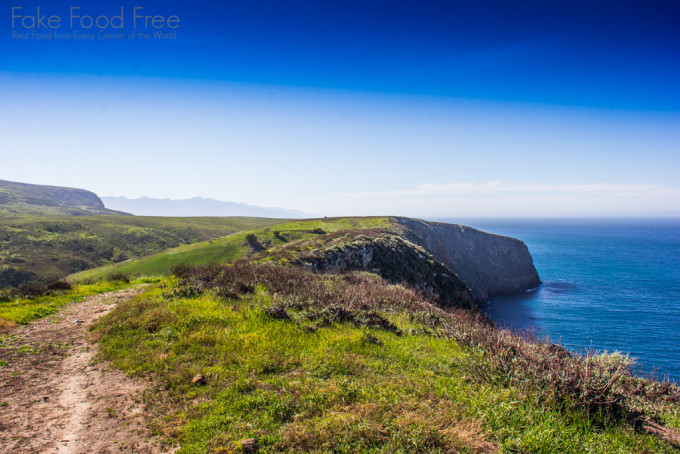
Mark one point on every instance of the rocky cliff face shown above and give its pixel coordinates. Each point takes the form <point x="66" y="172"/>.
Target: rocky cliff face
<point x="395" y="259"/>
<point x="489" y="264"/>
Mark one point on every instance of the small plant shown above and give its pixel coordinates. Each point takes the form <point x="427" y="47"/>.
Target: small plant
<point x="254" y="243"/>
<point x="371" y="339"/>
<point x="119" y="277"/>
<point x="6" y="296"/>
<point x="277" y="313"/>
<point x="185" y="289"/>
<point x="279" y="236"/>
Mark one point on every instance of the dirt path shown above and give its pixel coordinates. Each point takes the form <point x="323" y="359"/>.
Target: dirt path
<point x="53" y="400"/>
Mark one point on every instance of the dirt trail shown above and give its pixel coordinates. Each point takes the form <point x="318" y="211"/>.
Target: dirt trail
<point x="53" y="400"/>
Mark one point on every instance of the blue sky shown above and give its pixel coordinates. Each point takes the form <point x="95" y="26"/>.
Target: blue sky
<point x="489" y="108"/>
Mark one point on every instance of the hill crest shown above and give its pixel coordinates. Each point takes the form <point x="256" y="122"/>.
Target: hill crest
<point x="26" y="198"/>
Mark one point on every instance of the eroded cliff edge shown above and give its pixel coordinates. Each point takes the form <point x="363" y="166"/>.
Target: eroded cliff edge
<point x="392" y="257"/>
<point x="488" y="264"/>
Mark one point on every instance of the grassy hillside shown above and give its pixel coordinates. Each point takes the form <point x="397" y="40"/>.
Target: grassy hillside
<point x="45" y="248"/>
<point x="34" y="199"/>
<point x="276" y="350"/>
<point x="234" y="246"/>
<point x="318" y="363"/>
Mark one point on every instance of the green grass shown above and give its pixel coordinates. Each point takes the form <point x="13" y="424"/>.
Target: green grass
<point x="23" y="310"/>
<point x="18" y="198"/>
<point x="231" y="247"/>
<point x="280" y="368"/>
<point x="47" y="248"/>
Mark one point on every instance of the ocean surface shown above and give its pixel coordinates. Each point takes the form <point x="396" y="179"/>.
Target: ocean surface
<point x="608" y="285"/>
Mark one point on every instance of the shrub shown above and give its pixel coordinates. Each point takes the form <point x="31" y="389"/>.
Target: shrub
<point x="182" y="270"/>
<point x="322" y="299"/>
<point x="121" y="277"/>
<point x="59" y="285"/>
<point x="253" y="242"/>
<point x="32" y="290"/>
<point x="280" y="237"/>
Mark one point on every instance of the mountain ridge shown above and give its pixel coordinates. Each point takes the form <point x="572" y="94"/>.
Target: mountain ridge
<point x="194" y="207"/>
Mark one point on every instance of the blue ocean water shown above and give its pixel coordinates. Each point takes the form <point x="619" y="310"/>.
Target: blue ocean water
<point x="609" y="285"/>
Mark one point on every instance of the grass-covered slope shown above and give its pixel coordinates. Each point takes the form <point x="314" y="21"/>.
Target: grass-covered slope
<point x="24" y="198"/>
<point x="305" y="362"/>
<point x="235" y="246"/>
<point x="40" y="249"/>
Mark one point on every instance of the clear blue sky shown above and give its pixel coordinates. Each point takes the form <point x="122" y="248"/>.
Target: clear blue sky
<point x="457" y="108"/>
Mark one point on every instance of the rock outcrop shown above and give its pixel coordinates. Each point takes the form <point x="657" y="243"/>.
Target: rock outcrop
<point x="488" y="264"/>
<point x="395" y="259"/>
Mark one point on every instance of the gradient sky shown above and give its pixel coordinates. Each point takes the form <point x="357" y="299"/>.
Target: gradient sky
<point x="457" y="108"/>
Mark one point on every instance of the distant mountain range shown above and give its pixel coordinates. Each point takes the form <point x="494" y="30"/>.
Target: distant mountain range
<point x="34" y="199"/>
<point x="197" y="206"/>
<point x="24" y="198"/>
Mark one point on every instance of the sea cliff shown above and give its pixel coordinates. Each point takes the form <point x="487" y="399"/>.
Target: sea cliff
<point x="488" y="264"/>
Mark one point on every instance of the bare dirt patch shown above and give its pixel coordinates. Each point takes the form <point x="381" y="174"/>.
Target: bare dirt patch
<point x="54" y="399"/>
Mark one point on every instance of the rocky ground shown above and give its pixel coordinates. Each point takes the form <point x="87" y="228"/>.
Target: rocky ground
<point x="55" y="399"/>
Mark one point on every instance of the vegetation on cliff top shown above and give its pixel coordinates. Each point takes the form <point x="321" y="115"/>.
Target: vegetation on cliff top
<point x="234" y="246"/>
<point x="378" y="250"/>
<point x="310" y="362"/>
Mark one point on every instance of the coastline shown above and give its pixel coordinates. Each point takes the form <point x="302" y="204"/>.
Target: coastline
<point x="609" y="285"/>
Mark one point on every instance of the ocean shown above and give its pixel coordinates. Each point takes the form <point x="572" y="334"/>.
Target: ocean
<point x="608" y="285"/>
